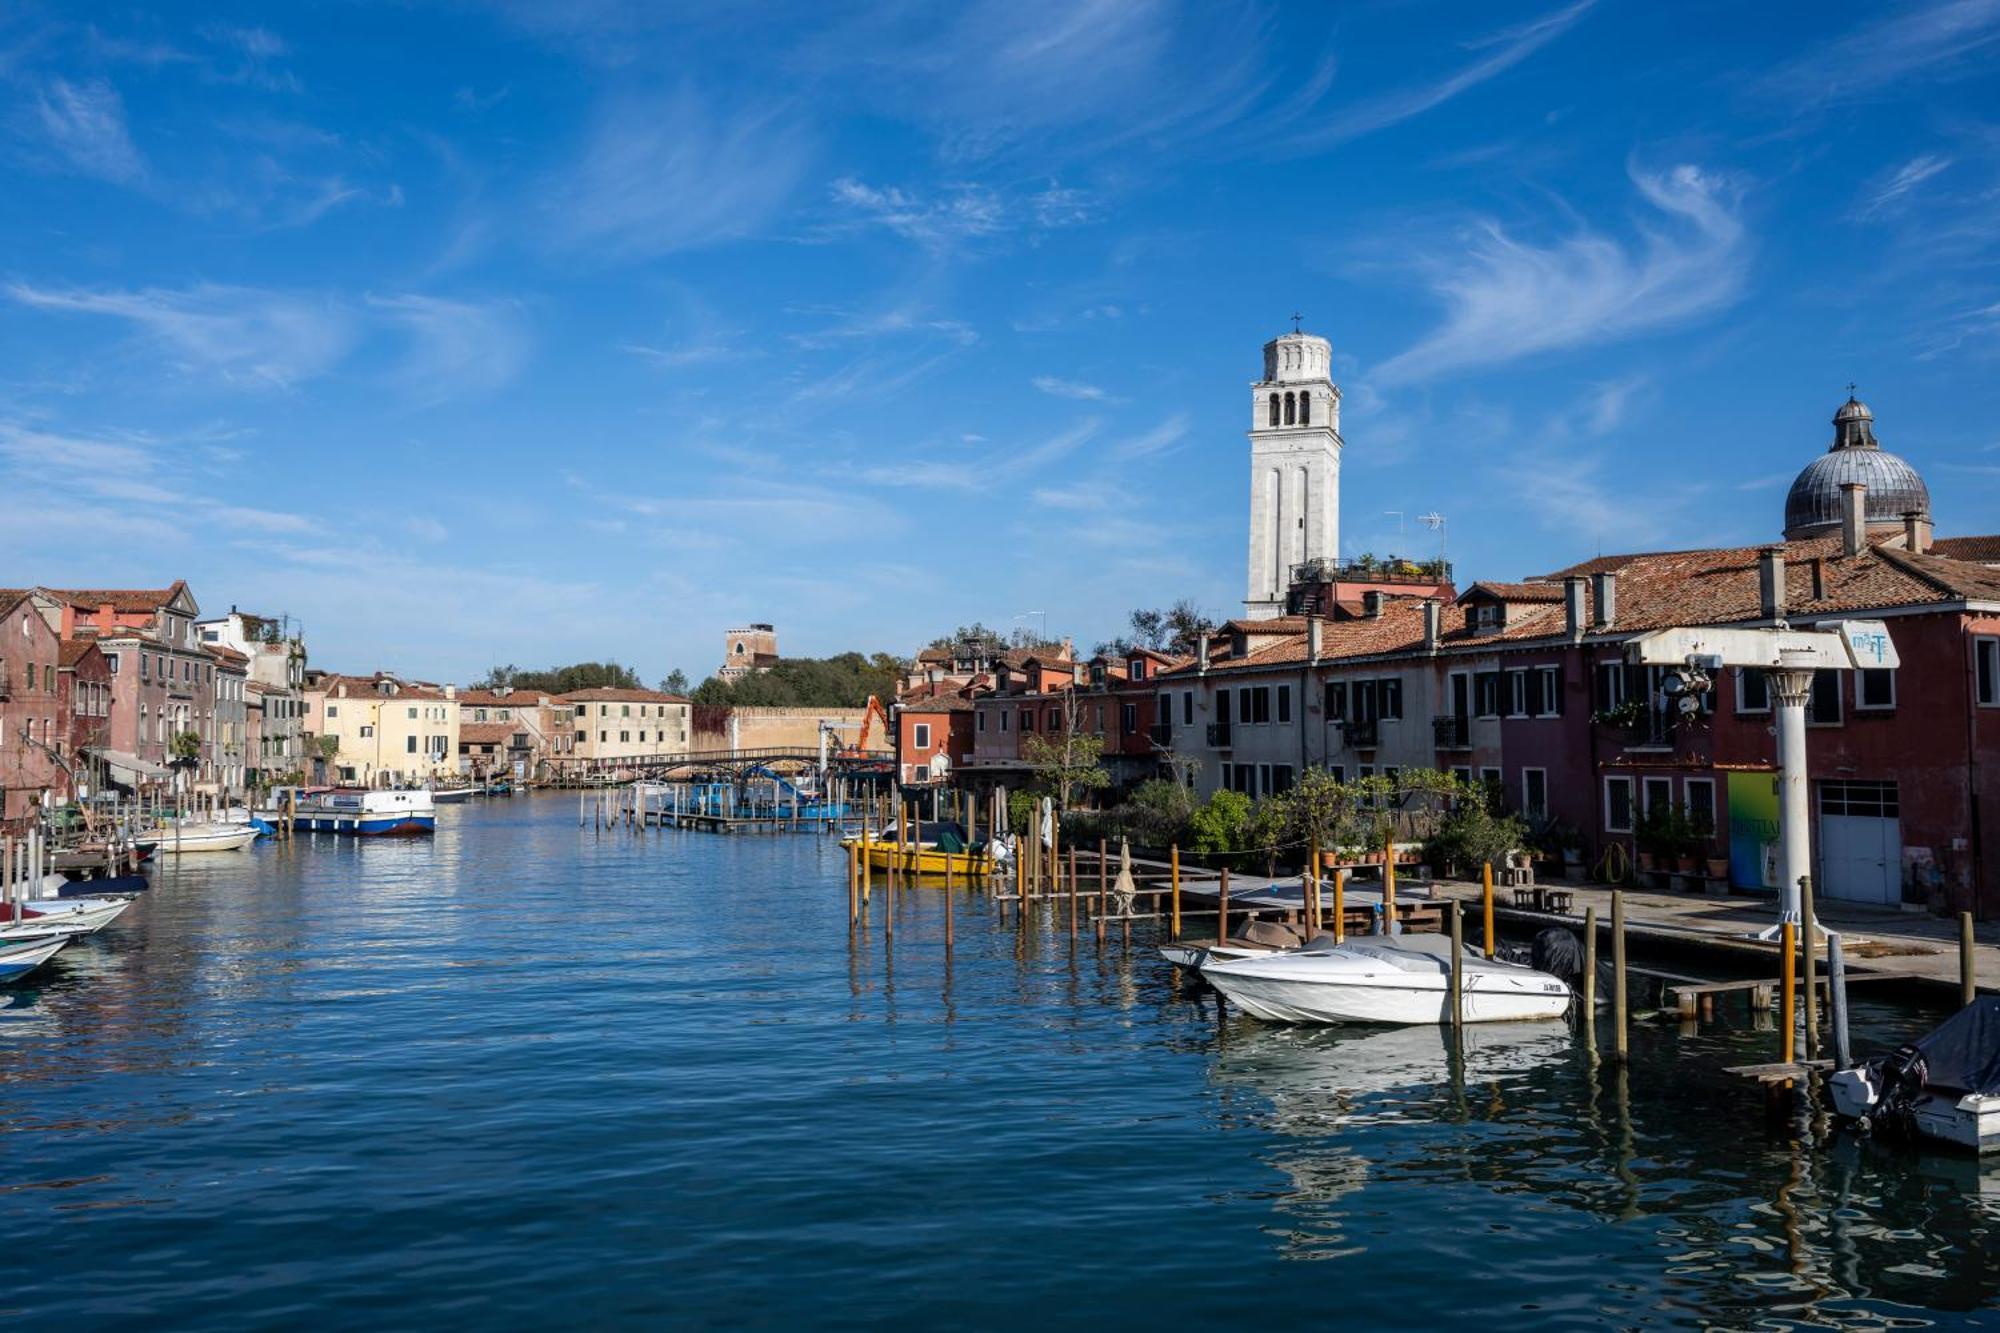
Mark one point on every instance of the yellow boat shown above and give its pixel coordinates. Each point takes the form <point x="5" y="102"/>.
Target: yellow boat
<point x="922" y="854"/>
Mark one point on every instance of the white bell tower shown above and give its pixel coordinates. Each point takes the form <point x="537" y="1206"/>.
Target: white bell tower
<point x="1294" y="468"/>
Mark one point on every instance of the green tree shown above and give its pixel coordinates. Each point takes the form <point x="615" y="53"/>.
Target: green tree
<point x="676" y="682"/>
<point x="842" y="681"/>
<point x="1220" y="824"/>
<point x="563" y="679"/>
<point x="1067" y="763"/>
<point x="185" y="746"/>
<point x="328" y="747"/>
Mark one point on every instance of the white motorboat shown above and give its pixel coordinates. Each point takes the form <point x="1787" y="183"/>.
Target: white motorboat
<point x="448" y="795"/>
<point x="1378" y="979"/>
<point x="180" y="839"/>
<point x="66" y="916"/>
<point x="1945" y="1086"/>
<point x="18" y="957"/>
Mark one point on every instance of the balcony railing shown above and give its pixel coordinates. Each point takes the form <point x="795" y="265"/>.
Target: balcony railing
<point x="1361" y="735"/>
<point x="1650" y="731"/>
<point x="1162" y="733"/>
<point x="1218" y="735"/>
<point x="1452" y="733"/>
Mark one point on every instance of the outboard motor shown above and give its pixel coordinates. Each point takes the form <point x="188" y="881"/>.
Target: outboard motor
<point x="1902" y="1075"/>
<point x="1559" y="953"/>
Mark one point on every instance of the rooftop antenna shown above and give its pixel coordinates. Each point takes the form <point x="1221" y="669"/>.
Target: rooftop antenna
<point x="1436" y="523"/>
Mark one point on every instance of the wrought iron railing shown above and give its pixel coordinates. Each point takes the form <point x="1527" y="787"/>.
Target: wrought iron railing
<point x="1361" y="735"/>
<point x="1218" y="735"/>
<point x="1452" y="733"/>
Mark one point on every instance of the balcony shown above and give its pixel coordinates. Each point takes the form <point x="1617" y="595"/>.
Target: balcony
<point x="1218" y="735"/>
<point x="1452" y="733"/>
<point x="1650" y="730"/>
<point x="1361" y="735"/>
<point x="1162" y="733"/>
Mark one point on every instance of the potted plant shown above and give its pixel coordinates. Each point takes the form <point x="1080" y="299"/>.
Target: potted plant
<point x="1650" y="839"/>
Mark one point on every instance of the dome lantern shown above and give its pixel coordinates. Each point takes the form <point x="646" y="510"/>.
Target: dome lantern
<point x="1894" y="489"/>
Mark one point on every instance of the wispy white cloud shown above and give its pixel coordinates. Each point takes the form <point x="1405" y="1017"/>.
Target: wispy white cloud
<point x="1938" y="40"/>
<point x="255" y="338"/>
<point x="1890" y="188"/>
<point x="1503" y="50"/>
<point x="1158" y="440"/>
<point x="243" y="335"/>
<point x="455" y="347"/>
<point x="1506" y="299"/>
<point x="658" y="175"/>
<point x="1056" y="387"/>
<point x="85" y="124"/>
<point x="959" y="213"/>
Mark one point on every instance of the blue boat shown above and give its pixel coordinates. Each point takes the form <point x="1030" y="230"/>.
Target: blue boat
<point x="374" y="814"/>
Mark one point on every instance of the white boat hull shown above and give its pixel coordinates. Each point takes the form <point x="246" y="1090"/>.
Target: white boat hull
<point x="20" y="957"/>
<point x="1407" y="982"/>
<point x="1970" y="1121"/>
<point x="207" y="838"/>
<point x="66" y="916"/>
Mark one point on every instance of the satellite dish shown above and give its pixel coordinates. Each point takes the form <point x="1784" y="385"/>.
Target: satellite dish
<point x="1673" y="684"/>
<point x="1689" y="705"/>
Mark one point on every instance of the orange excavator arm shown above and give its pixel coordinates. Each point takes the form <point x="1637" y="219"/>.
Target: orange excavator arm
<point x="868" y="716"/>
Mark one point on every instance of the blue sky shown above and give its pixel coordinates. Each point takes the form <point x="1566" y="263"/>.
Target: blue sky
<point x="525" y="332"/>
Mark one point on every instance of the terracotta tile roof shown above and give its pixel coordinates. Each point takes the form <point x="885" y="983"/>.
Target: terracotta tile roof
<point x="1514" y="592"/>
<point x="368" y="687"/>
<point x="71" y="651"/>
<point x="121" y="634"/>
<point x="617" y="696"/>
<point x="486" y="733"/>
<point x="227" y="656"/>
<point x="259" y="687"/>
<point x="1951" y="548"/>
<point x="126" y="601"/>
<point x="503" y="698"/>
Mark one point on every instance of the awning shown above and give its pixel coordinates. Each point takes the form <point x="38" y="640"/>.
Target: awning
<point x="133" y="766"/>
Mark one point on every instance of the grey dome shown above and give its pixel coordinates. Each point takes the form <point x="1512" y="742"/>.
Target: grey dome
<point x="1893" y="486"/>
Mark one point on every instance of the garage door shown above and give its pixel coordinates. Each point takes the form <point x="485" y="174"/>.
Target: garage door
<point x="1860" y="843"/>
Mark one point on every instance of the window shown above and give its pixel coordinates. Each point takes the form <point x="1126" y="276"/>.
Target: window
<point x="1701" y="804"/>
<point x="1305" y="409"/>
<point x="1873" y="800"/>
<point x="1128" y="718"/>
<point x="1336" y="700"/>
<point x="1222" y="707"/>
<point x="1535" y="793"/>
<point x="1260" y="699"/>
<point x="1618" y="805"/>
<point x="1658" y="794"/>
<point x="1187" y="708"/>
<point x="1488" y="616"/>
<point x="1003" y="720"/>
<point x="1986" y="663"/>
<point x="1547" y="683"/>
<point x="1284" y="703"/>
<point x="1517" y="694"/>
<point x="624" y="738"/>
<point x="922" y="732"/>
<point x="624" y="710"/>
<point x="366" y="731"/>
<point x="413" y="712"/>
<point x="1823" y="705"/>
<point x="1462" y="773"/>
<point x="409" y="744"/>
<point x="1263" y="780"/>
<point x="921" y="773"/>
<point x="111" y="660"/>
<point x="1027" y="719"/>
<point x="1753" y="691"/>
<point x="1244" y="706"/>
<point x="1281" y="779"/>
<point x="1055" y="721"/>
<point x="603" y="737"/>
<point x="1291" y="409"/>
<point x="1486" y="694"/>
<point x="1136" y="668"/>
<point x="1490" y="779"/>
<point x="579" y="735"/>
<point x="1389" y="693"/>
<point x="642" y="738"/>
<point x="1875" y="688"/>
<point x="1274" y="409"/>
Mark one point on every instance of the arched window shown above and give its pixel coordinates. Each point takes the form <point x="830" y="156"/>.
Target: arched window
<point x="1291" y="410"/>
<point x="1274" y="409"/>
<point x="1305" y="409"/>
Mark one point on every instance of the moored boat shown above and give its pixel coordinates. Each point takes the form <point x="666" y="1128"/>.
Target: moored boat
<point x="930" y="849"/>
<point x="62" y="916"/>
<point x="18" y="957"/>
<point x="183" y="839"/>
<point x="365" y="813"/>
<point x="1377" y="979"/>
<point x="452" y="795"/>
<point x="1944" y="1086"/>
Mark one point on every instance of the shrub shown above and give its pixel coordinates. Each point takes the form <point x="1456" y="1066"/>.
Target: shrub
<point x="1219" y="825"/>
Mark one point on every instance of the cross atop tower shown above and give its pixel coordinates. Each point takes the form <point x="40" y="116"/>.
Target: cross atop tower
<point x="1298" y="319"/>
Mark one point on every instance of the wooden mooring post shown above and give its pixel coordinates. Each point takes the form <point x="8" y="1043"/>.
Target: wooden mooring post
<point x="1968" y="979"/>
<point x="1103" y="890"/>
<point x="1222" y="909"/>
<point x="1072" y="896"/>
<point x="1590" y="969"/>
<point x="1788" y="982"/>
<point x="1810" y="931"/>
<point x="1340" y="904"/>
<point x="1174" y="920"/>
<point x="1618" y="988"/>
<point x="1457" y="967"/>
<point x="1486" y="903"/>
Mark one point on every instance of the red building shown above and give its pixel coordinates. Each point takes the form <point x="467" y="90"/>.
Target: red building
<point x="32" y="732"/>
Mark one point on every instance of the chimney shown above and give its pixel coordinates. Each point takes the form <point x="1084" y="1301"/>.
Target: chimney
<point x="1771" y="583"/>
<point x="1573" y="612"/>
<point x="1605" y="584"/>
<point x="451" y="691"/>
<point x="1916" y="531"/>
<point x="1430" y="624"/>
<point x="1853" y="517"/>
<point x="1371" y="603"/>
<point x="1201" y="653"/>
<point x="1315" y="638"/>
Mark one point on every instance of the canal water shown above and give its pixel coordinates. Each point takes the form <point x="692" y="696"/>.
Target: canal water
<point x="524" y="1074"/>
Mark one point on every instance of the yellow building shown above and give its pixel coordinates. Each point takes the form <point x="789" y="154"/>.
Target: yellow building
<point x="610" y="727"/>
<point x="391" y="732"/>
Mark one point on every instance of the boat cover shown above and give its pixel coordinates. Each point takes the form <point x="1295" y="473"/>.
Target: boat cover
<point x="1963" y="1052"/>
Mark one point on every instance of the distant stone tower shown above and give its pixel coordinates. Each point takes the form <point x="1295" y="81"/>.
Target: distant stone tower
<point x="1294" y="468"/>
<point x="752" y="648"/>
